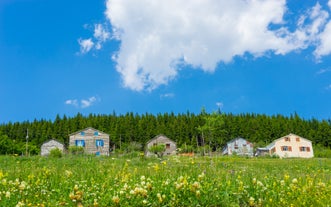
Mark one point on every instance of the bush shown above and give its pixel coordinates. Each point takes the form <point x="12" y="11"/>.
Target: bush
<point x="56" y="152"/>
<point x="74" y="150"/>
<point x="158" y="149"/>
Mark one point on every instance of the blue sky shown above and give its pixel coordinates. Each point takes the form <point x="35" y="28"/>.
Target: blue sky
<point x="87" y="56"/>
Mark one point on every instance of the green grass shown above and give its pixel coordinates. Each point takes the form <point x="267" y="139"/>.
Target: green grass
<point x="172" y="181"/>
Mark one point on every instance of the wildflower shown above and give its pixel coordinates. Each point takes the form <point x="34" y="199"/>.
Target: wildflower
<point x="294" y="181"/>
<point x="95" y="203"/>
<point x="197" y="193"/>
<point x="159" y="197"/>
<point x="7" y="194"/>
<point x="145" y="202"/>
<point x="19" y="204"/>
<point x="22" y="185"/>
<point x="116" y="199"/>
<point x="251" y="201"/>
<point x="68" y="173"/>
<point x="254" y="181"/>
<point x="142" y="178"/>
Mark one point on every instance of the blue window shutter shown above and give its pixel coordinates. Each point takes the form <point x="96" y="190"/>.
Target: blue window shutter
<point x="96" y="133"/>
<point x="99" y="143"/>
<point x="82" y="133"/>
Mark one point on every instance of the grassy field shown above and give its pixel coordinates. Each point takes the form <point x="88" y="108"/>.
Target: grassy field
<point x="172" y="181"/>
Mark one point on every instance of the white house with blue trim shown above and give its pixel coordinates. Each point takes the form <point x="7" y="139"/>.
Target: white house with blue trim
<point x="92" y="140"/>
<point x="238" y="146"/>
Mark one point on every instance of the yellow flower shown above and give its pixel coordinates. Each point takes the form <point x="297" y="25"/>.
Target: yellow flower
<point x="251" y="201"/>
<point x="7" y="194"/>
<point x="116" y="199"/>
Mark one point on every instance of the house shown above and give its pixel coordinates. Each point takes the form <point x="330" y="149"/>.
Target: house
<point x="92" y="140"/>
<point x="288" y="146"/>
<point x="170" y="145"/>
<point x="49" y="145"/>
<point x="238" y="146"/>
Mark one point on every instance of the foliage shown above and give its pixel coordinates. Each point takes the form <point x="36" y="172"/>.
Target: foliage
<point x="186" y="128"/>
<point x="76" y="150"/>
<point x="320" y="151"/>
<point x="157" y="149"/>
<point x="55" y="153"/>
<point x="175" y="181"/>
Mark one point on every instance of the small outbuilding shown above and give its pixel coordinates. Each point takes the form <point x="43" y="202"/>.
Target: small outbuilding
<point x="170" y="145"/>
<point x="49" y="145"/>
<point x="238" y="146"/>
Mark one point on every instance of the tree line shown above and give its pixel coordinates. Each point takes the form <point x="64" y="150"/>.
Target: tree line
<point x="186" y="129"/>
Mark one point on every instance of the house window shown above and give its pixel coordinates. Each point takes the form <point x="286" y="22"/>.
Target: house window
<point x="286" y="148"/>
<point x="96" y="133"/>
<point x="80" y="143"/>
<point x="99" y="143"/>
<point x="236" y="146"/>
<point x="297" y="139"/>
<point x="287" y="139"/>
<point x="168" y="146"/>
<point x="304" y="149"/>
<point x="82" y="133"/>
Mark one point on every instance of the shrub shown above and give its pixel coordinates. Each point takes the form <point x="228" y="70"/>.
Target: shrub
<point x="158" y="149"/>
<point x="56" y="152"/>
<point x="75" y="150"/>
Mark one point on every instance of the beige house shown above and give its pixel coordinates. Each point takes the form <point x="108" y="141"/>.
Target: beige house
<point x="288" y="146"/>
<point x="49" y="145"/>
<point x="92" y="140"/>
<point x="170" y="145"/>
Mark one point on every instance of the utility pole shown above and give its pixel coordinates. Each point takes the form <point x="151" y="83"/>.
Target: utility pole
<point x="27" y="139"/>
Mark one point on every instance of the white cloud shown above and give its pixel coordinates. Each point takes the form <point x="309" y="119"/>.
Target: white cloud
<point x="88" y="102"/>
<point x="167" y="95"/>
<point x="328" y="87"/>
<point x="101" y="35"/>
<point x="156" y="36"/>
<point x="324" y="47"/>
<point x="85" y="45"/>
<point x="322" y="71"/>
<point x="84" y="103"/>
<point x="73" y="102"/>
<point x="329" y="3"/>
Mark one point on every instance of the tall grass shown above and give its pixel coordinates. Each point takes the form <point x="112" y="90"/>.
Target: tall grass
<point x="171" y="181"/>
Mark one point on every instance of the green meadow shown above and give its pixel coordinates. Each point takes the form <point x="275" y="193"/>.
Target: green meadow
<point x="170" y="181"/>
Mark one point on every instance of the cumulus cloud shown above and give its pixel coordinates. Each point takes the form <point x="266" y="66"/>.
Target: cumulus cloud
<point x="158" y="37"/>
<point x="84" y="103"/>
<point x="85" y="45"/>
<point x="99" y="37"/>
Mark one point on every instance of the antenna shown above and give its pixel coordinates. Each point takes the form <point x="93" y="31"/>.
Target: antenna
<point x="27" y="139"/>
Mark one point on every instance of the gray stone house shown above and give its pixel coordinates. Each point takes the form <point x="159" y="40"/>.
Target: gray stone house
<point x="92" y="140"/>
<point x="170" y="145"/>
<point x="49" y="145"/>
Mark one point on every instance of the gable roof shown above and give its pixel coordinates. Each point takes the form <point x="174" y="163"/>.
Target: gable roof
<point x="160" y="135"/>
<point x="77" y="132"/>
<point x="52" y="140"/>
<point x="238" y="138"/>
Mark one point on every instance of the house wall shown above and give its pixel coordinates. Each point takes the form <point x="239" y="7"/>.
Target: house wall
<point x="171" y="150"/>
<point x="90" y="137"/>
<point x="293" y="143"/>
<point x="48" y="146"/>
<point x="239" y="146"/>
